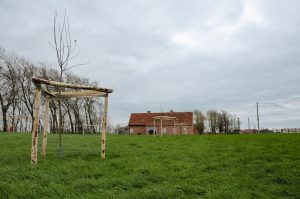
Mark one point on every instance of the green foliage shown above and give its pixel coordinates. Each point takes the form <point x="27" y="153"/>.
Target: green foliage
<point x="206" y="166"/>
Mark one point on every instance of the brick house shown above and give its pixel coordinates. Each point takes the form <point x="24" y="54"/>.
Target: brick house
<point x="165" y="123"/>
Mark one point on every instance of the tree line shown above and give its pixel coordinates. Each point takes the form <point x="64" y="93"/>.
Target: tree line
<point x="216" y="122"/>
<point x="17" y="97"/>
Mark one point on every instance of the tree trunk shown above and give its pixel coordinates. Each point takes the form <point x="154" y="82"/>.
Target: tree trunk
<point x="71" y="121"/>
<point x="90" y="118"/>
<point x="4" y="112"/>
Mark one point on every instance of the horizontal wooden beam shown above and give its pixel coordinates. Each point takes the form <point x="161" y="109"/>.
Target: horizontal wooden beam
<point x="79" y="94"/>
<point x="182" y="124"/>
<point x="165" y="117"/>
<point x="36" y="81"/>
<point x="45" y="91"/>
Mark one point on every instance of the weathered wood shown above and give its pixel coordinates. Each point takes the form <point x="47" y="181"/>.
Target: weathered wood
<point x="103" y="131"/>
<point x="165" y="117"/>
<point x="34" y="144"/>
<point x="36" y="80"/>
<point x="174" y="128"/>
<point x="45" y="91"/>
<point x="161" y="118"/>
<point x="46" y="123"/>
<point x="154" y="133"/>
<point x="161" y="126"/>
<point x="79" y="94"/>
<point x="91" y="91"/>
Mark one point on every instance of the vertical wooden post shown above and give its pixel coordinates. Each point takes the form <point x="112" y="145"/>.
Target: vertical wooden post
<point x="34" y="144"/>
<point x="46" y="124"/>
<point x="103" y="131"/>
<point x="161" y="126"/>
<point x="174" y="128"/>
<point x="154" y="131"/>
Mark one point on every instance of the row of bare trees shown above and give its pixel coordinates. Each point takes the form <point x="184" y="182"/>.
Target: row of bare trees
<point x="17" y="97"/>
<point x="216" y="122"/>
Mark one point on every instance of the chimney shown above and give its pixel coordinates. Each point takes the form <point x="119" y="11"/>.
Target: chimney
<point x="148" y="111"/>
<point x="171" y="111"/>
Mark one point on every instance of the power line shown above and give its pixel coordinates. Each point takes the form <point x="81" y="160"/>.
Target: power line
<point x="269" y="104"/>
<point x="273" y="104"/>
<point x="250" y="110"/>
<point x="287" y="101"/>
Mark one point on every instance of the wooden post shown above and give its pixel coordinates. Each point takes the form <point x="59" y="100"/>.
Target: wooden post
<point x="34" y="144"/>
<point x="104" y="123"/>
<point x="174" y="128"/>
<point x="46" y="122"/>
<point x="154" y="132"/>
<point x="161" y="126"/>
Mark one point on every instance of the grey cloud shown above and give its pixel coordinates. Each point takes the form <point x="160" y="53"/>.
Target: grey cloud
<point x="179" y="54"/>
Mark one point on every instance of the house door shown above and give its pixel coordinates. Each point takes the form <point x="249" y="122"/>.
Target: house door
<point x="151" y="130"/>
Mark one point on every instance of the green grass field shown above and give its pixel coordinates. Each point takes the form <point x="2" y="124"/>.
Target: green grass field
<point x="215" y="166"/>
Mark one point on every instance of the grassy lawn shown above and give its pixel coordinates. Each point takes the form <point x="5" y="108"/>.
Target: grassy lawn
<point x="215" y="166"/>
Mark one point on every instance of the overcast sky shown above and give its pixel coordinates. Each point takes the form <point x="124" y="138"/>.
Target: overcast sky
<point x="180" y="55"/>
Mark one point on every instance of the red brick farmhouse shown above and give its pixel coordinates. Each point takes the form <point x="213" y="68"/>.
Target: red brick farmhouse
<point x="166" y="123"/>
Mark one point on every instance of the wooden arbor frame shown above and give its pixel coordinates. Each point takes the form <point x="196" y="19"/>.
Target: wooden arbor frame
<point x="161" y="118"/>
<point x="89" y="91"/>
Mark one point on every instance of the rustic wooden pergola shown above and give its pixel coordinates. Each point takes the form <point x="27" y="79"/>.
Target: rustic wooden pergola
<point x="161" y="118"/>
<point x="81" y="91"/>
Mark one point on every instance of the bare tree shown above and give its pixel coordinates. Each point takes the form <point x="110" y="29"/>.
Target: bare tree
<point x="25" y="72"/>
<point x="17" y="96"/>
<point x="227" y="123"/>
<point x="64" y="45"/>
<point x="9" y="89"/>
<point x="65" y="48"/>
<point x="221" y="122"/>
<point x="199" y="121"/>
<point x="212" y="118"/>
<point x="234" y="124"/>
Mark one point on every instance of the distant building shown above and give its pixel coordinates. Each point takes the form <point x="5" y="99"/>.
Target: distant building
<point x="165" y="123"/>
<point x="248" y="131"/>
<point x="290" y="130"/>
<point x="122" y="130"/>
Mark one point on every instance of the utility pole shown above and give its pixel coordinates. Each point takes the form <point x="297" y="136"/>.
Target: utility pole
<point x="248" y="123"/>
<point x="257" y="116"/>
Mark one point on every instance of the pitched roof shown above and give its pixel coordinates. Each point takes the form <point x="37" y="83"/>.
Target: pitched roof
<point x="146" y="119"/>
